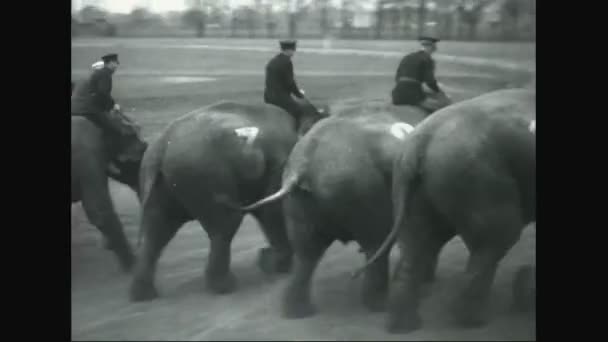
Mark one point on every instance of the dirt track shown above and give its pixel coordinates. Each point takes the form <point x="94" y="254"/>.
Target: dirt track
<point x="185" y="311"/>
<point x="101" y="310"/>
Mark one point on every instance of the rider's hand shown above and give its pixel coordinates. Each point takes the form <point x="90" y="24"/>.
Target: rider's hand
<point x="445" y="97"/>
<point x="116" y="106"/>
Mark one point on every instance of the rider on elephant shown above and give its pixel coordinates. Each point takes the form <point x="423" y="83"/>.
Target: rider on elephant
<point x="92" y="99"/>
<point x="280" y="82"/>
<point x="416" y="69"/>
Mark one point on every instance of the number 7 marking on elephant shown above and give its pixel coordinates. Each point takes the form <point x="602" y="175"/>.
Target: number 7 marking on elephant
<point x="249" y="133"/>
<point x="401" y="129"/>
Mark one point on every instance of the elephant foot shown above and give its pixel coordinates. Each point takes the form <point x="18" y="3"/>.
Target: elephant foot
<point x="127" y="261"/>
<point x="141" y="291"/>
<point x="224" y="284"/>
<point x="524" y="289"/>
<point x="471" y="321"/>
<point x="297" y="310"/>
<point x="428" y="278"/>
<point x="469" y="314"/>
<point x="270" y="261"/>
<point x="426" y="290"/>
<point x="402" y="325"/>
<point x="375" y="302"/>
<point x="106" y="244"/>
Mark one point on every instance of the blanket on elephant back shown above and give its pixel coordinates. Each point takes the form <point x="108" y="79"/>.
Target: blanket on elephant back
<point x="124" y="124"/>
<point x="131" y="144"/>
<point x="122" y="137"/>
<point x="355" y="107"/>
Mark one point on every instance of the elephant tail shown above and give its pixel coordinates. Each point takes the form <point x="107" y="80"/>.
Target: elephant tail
<point x="149" y="175"/>
<point x="405" y="178"/>
<point x="288" y="185"/>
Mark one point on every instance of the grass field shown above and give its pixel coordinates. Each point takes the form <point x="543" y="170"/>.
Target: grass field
<point x="161" y="79"/>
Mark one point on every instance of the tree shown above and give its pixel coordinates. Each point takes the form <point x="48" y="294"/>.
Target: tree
<point x="512" y="11"/>
<point x="234" y="20"/>
<point x="250" y="21"/>
<point x="90" y="14"/>
<point x="139" y="15"/>
<point x="393" y="14"/>
<point x="216" y="15"/>
<point x="74" y="27"/>
<point x="379" y="19"/>
<point x="412" y="26"/>
<point x="270" y="22"/>
<point x="421" y="17"/>
<point x="346" y="17"/>
<point x="195" y="18"/>
<point x="253" y="18"/>
<point x="324" y="20"/>
<point x="471" y="15"/>
<point x="292" y="19"/>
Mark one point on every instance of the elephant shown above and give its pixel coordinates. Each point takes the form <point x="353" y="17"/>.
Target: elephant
<point x="89" y="183"/>
<point x="203" y="167"/>
<point x="467" y="170"/>
<point x="336" y="186"/>
<point x="524" y="289"/>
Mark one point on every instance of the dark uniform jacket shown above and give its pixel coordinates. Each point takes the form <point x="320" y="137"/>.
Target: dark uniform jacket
<point x="93" y="95"/>
<point x="280" y="83"/>
<point x="414" y="69"/>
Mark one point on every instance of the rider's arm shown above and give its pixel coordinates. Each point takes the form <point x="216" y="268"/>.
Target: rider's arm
<point x="102" y="85"/>
<point x="399" y="70"/>
<point x="429" y="75"/>
<point x="293" y="87"/>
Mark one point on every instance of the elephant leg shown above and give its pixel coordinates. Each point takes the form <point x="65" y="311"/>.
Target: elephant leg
<point x="296" y="299"/>
<point x="416" y="242"/>
<point x="218" y="276"/>
<point x="161" y="219"/>
<point x="469" y="308"/>
<point x="304" y="227"/>
<point x="278" y="257"/>
<point x="98" y="206"/>
<point x="106" y="244"/>
<point x="435" y="246"/>
<point x="524" y="289"/>
<point x="498" y="235"/>
<point x="404" y="297"/>
<point x="375" y="282"/>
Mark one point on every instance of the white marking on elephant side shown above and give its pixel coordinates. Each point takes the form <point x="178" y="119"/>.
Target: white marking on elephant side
<point x="401" y="129"/>
<point x="532" y="126"/>
<point x="249" y="133"/>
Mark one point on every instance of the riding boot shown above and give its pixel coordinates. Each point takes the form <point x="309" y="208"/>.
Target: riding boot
<point x="113" y="133"/>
